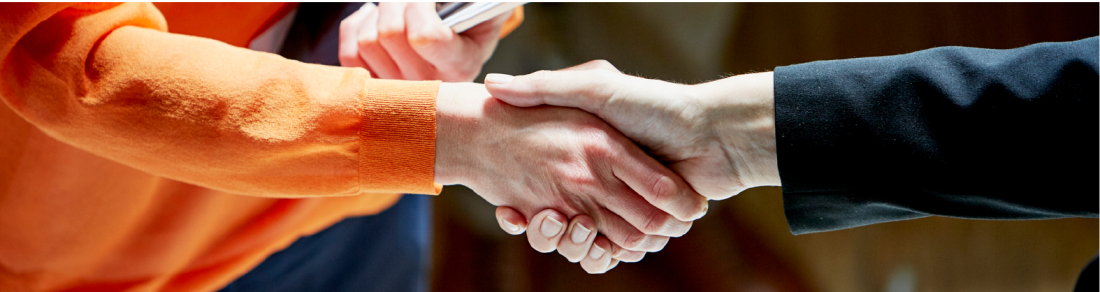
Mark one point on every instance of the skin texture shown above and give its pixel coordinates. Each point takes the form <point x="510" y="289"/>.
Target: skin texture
<point x="408" y="41"/>
<point x="718" y="136"/>
<point x="551" y="157"/>
<point x="635" y="201"/>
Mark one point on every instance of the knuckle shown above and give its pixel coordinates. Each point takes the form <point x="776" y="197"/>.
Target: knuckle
<point x="597" y="147"/>
<point x="657" y="223"/>
<point x="539" y="78"/>
<point x="419" y="37"/>
<point x="618" y="251"/>
<point x="626" y="255"/>
<point x="427" y="36"/>
<point x="368" y="40"/>
<point x="577" y="175"/>
<point x="390" y="31"/>
<point x="662" y="190"/>
<point x="634" y="241"/>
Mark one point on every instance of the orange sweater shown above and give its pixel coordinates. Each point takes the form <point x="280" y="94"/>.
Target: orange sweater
<point x="125" y="149"/>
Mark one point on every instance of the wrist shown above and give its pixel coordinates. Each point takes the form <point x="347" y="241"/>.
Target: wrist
<point x="741" y="113"/>
<point x="459" y="109"/>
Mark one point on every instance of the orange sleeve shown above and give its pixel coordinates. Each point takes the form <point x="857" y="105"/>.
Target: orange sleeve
<point x="108" y="79"/>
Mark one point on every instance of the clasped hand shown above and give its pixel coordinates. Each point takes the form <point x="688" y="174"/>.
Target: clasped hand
<point x="718" y="136"/>
<point x="573" y="169"/>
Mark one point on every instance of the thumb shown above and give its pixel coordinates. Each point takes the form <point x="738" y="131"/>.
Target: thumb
<point x="588" y="90"/>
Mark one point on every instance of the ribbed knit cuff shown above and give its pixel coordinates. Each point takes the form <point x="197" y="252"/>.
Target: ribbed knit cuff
<point x="397" y="138"/>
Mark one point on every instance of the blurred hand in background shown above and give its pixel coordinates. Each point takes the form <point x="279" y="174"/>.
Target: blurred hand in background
<point x="408" y="41"/>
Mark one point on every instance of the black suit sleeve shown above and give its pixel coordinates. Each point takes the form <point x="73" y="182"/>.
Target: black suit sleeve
<point x="952" y="131"/>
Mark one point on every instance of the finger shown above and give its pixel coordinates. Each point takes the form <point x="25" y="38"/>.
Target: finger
<point x="348" y="49"/>
<point x="511" y="220"/>
<point x="593" y="65"/>
<point x="626" y="255"/>
<point x="548" y="231"/>
<point x="392" y="35"/>
<point x="661" y="187"/>
<point x="641" y="214"/>
<point x="488" y="31"/>
<point x="455" y="57"/>
<point x="614" y="263"/>
<point x="578" y="238"/>
<point x="370" y="47"/>
<point x="598" y="258"/>
<point x="589" y="90"/>
<point x="620" y="232"/>
<point x="438" y="44"/>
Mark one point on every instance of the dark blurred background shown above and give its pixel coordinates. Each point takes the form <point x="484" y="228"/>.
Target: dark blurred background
<point x="743" y="244"/>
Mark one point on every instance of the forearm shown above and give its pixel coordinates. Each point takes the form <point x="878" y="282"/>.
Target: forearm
<point x="210" y="114"/>
<point x="230" y="119"/>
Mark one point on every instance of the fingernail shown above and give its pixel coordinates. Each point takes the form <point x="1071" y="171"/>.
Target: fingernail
<point x="596" y="252"/>
<point x="550" y="227"/>
<point x="706" y="205"/>
<point x="498" y="78"/>
<point x="580" y="233"/>
<point x="513" y="228"/>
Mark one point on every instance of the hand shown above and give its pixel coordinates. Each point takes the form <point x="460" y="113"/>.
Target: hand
<point x="565" y="159"/>
<point x="719" y="136"/>
<point x="408" y="41"/>
<point x="601" y="255"/>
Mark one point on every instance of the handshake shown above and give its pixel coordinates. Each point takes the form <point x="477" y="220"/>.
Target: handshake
<point x="124" y="145"/>
<point x="605" y="166"/>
